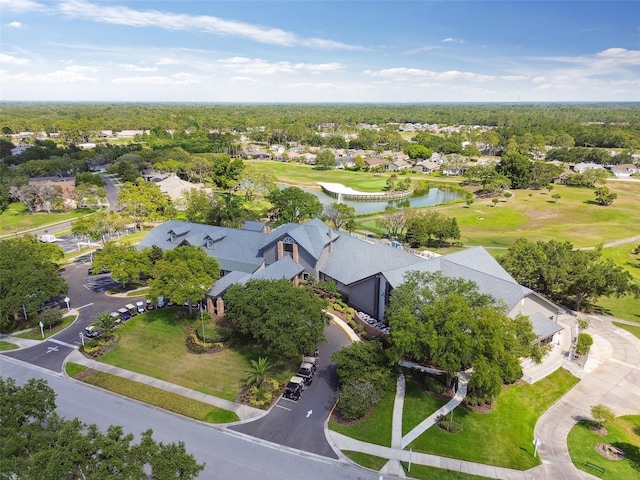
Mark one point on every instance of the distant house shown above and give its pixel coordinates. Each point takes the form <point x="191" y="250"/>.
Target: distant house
<point x="345" y="162"/>
<point x="174" y="186"/>
<point x="625" y="170"/>
<point x="426" y="166"/>
<point x="365" y="273"/>
<point x="373" y="162"/>
<point x="397" y="165"/>
<point x="584" y="166"/>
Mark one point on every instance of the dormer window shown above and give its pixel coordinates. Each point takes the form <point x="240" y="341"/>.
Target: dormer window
<point x="210" y="243"/>
<point x="287" y="244"/>
<point x="174" y="237"/>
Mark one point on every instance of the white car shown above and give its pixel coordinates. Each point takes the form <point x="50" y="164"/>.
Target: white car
<point x="48" y="238"/>
<point x="140" y="307"/>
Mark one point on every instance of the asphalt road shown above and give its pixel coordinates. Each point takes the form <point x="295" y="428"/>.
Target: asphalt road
<point x="86" y="294"/>
<point x="227" y="455"/>
<point x="300" y="424"/>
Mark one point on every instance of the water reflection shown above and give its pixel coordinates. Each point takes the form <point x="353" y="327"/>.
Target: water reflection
<point x="434" y="196"/>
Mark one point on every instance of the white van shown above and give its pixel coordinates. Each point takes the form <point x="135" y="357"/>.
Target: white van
<point x="48" y="238"/>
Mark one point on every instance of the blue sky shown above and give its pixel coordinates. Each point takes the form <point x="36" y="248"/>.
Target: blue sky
<point x="307" y="51"/>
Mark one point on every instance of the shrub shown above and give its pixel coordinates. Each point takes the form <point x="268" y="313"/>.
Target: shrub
<point x="356" y="400"/>
<point x="195" y="345"/>
<point x="449" y="425"/>
<point x="584" y="343"/>
<point x="433" y="385"/>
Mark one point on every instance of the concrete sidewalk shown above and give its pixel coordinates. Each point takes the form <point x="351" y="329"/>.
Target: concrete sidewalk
<point x="245" y="412"/>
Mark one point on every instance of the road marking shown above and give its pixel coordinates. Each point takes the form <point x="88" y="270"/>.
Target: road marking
<point x="284" y="408"/>
<point x="52" y="349"/>
<point x="288" y="400"/>
<point x="59" y="342"/>
<point x="86" y="287"/>
<point x="84" y="306"/>
<point x="309" y="413"/>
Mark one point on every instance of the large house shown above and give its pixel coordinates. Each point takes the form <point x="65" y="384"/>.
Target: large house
<point x="365" y="272"/>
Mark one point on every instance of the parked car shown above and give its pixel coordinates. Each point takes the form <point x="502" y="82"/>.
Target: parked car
<point x="132" y="309"/>
<point x="124" y="314"/>
<point x="92" y="331"/>
<point x="48" y="238"/>
<point x="150" y="305"/>
<point x="294" y="388"/>
<point x="140" y="307"/>
<point x="162" y="302"/>
<point x="312" y="360"/>
<point x="306" y="372"/>
<point x="101" y="271"/>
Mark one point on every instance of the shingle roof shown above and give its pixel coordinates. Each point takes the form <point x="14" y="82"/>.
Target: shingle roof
<point x="313" y="236"/>
<point x="352" y="259"/>
<point x="225" y="249"/>
<point x="253" y="226"/>
<point x="543" y="327"/>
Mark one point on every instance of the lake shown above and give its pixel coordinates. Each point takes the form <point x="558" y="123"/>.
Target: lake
<point x="435" y="196"/>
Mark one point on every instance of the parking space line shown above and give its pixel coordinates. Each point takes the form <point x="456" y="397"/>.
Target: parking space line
<point x="284" y="408"/>
<point x="84" y="306"/>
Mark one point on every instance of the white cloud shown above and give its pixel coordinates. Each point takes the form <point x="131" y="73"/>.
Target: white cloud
<point x="167" y="61"/>
<point x="73" y="74"/>
<point x="121" y="15"/>
<point x="243" y="80"/>
<point x="313" y="86"/>
<point x="176" y="79"/>
<point x="403" y="74"/>
<point x="4" y="58"/>
<point x="452" y="40"/>
<point x="16" y="24"/>
<point x="137" y="68"/>
<point x="20" y="5"/>
<point x="257" y="66"/>
<point x="329" y="45"/>
<point x="426" y="48"/>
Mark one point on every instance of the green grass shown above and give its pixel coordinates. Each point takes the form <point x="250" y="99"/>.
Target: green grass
<point x="418" y="405"/>
<point x="365" y="460"/>
<point x="153" y="344"/>
<point x="376" y="428"/>
<point x="428" y="473"/>
<point x="624" y="307"/>
<point x="73" y="369"/>
<point x="36" y="334"/>
<point x="629" y="328"/>
<point x="16" y="218"/>
<point x="623" y="432"/>
<point x="508" y="428"/>
<point x="161" y="398"/>
<point x="7" y="346"/>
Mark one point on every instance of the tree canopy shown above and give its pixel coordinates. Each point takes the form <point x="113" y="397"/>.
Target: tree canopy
<point x="558" y="271"/>
<point x="123" y="260"/>
<point x="284" y="318"/>
<point x="144" y="201"/>
<point x="28" y="277"/>
<point x="446" y="322"/>
<point x="184" y="274"/>
<point x="37" y="443"/>
<point x="293" y="205"/>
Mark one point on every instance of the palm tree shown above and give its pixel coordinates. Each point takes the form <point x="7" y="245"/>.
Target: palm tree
<point x="258" y="371"/>
<point x="105" y="321"/>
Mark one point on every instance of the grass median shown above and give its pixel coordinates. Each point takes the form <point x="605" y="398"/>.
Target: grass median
<point x="623" y="433"/>
<point x="152" y="395"/>
<point x="154" y="344"/>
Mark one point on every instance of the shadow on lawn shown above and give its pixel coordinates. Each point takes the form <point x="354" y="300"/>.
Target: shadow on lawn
<point x="631" y="452"/>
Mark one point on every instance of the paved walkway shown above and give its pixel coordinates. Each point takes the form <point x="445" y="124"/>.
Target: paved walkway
<point x="245" y="412"/>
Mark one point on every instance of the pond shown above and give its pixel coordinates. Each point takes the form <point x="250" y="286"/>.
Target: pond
<point x="434" y="196"/>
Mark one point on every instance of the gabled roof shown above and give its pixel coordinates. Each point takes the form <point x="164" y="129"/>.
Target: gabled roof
<point x="473" y="264"/>
<point x="543" y="327"/>
<point x="352" y="259"/>
<point x="253" y="226"/>
<point x="312" y="236"/>
<point x="226" y="251"/>
<point x="283" y="268"/>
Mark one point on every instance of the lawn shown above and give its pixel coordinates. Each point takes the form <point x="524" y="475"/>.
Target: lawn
<point x="17" y="218"/>
<point x="376" y="428"/>
<point x="623" y="432"/>
<point x="418" y="405"/>
<point x="507" y="431"/>
<point x="624" y="307"/>
<point x="367" y="461"/>
<point x="7" y="346"/>
<point x="154" y="396"/>
<point x="428" y="473"/>
<point x="36" y="333"/>
<point x="629" y="328"/>
<point x="154" y="344"/>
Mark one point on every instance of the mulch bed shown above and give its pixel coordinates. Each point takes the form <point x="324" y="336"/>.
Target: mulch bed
<point x="610" y="452"/>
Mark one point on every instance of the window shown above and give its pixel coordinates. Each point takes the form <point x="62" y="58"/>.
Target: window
<point x="287" y="244"/>
<point x="210" y="243"/>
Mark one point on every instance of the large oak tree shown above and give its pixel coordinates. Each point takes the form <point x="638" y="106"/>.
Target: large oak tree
<point x="284" y="318"/>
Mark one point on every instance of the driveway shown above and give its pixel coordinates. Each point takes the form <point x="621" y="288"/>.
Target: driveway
<point x="611" y="378"/>
<point x="300" y="424"/>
